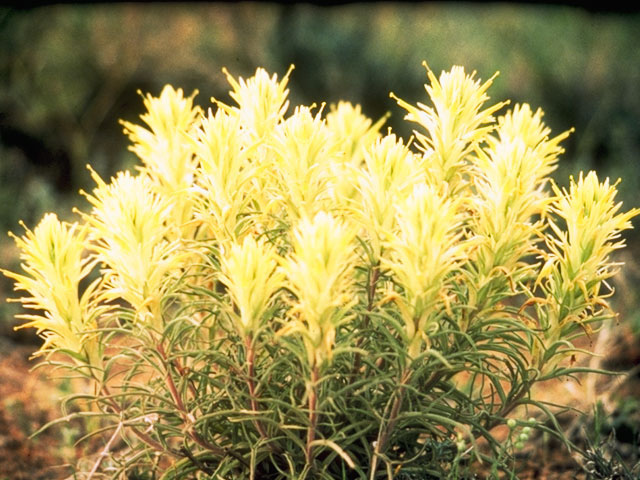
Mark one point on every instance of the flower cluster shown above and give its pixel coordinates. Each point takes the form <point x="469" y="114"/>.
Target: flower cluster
<point x="308" y="294"/>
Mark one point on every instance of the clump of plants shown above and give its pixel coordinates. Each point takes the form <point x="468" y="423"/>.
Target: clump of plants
<point x="291" y="295"/>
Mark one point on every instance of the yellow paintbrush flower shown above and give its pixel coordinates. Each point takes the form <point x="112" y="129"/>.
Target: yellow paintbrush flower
<point x="352" y="132"/>
<point x="251" y="274"/>
<point x="352" y="129"/>
<point x="580" y="253"/>
<point x="165" y="149"/>
<point x="319" y="274"/>
<point x="304" y="150"/>
<point x="223" y="182"/>
<point x="579" y="260"/>
<point x="129" y="236"/>
<point x="512" y="170"/>
<point x="262" y="101"/>
<point x="503" y="210"/>
<point x="455" y="123"/>
<point x="387" y="177"/>
<point x="424" y="250"/>
<point x="521" y="123"/>
<point x="54" y="261"/>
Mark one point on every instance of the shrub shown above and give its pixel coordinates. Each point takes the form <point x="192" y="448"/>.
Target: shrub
<point x="301" y="296"/>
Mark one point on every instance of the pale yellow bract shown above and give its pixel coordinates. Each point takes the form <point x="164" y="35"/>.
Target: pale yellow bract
<point x="222" y="188"/>
<point x="388" y="175"/>
<point x="319" y="274"/>
<point x="425" y="248"/>
<point x="55" y="263"/>
<point x="129" y="237"/>
<point x="251" y="273"/>
<point x="510" y="201"/>
<point x="164" y="148"/>
<point x="580" y="253"/>
<point x="262" y="102"/>
<point x="455" y="124"/>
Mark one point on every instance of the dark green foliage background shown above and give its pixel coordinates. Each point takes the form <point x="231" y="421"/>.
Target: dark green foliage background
<point x="68" y="73"/>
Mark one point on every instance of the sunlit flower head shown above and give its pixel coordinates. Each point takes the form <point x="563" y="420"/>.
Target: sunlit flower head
<point x="522" y="131"/>
<point x="455" y="123"/>
<point x="508" y="197"/>
<point x="426" y="247"/>
<point x="586" y="228"/>
<point x="592" y="231"/>
<point x="129" y="234"/>
<point x="319" y="274"/>
<point x="262" y="101"/>
<point x="223" y="182"/>
<point x="352" y="132"/>
<point x="304" y="151"/>
<point x="389" y="173"/>
<point x="512" y="170"/>
<point x="164" y="147"/>
<point x="54" y="261"/>
<point x="251" y="274"/>
<point x="352" y="129"/>
<point x="522" y="123"/>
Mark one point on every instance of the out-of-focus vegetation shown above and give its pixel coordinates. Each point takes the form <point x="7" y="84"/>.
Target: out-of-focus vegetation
<point x="68" y="73"/>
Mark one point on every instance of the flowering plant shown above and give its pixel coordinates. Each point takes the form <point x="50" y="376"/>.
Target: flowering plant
<point x="300" y="296"/>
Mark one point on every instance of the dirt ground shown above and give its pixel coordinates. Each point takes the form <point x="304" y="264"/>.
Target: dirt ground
<point x="28" y="401"/>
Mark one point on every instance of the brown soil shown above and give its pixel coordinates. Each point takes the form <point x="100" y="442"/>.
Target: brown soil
<point x="28" y="400"/>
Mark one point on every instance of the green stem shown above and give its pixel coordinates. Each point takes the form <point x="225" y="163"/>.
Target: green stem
<point x="183" y="373"/>
<point x="177" y="398"/>
<point x="374" y="275"/>
<point x="386" y="430"/>
<point x="373" y="281"/>
<point x="313" y="415"/>
<point x="251" y="384"/>
<point x="189" y="419"/>
<point x="141" y="435"/>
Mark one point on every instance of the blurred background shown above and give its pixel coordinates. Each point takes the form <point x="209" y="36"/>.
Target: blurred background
<point x="68" y="73"/>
